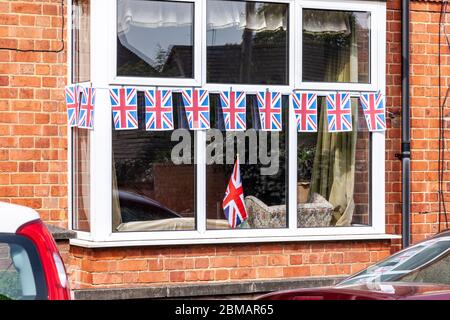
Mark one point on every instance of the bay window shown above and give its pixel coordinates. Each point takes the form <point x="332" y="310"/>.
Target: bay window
<point x="167" y="187"/>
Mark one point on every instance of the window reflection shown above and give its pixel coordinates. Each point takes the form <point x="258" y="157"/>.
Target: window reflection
<point x="150" y="191"/>
<point x="155" y="38"/>
<point x="336" y="46"/>
<point x="247" y="42"/>
<point x="81" y="40"/>
<point x="333" y="174"/>
<point x="262" y="157"/>
<point x="81" y="179"/>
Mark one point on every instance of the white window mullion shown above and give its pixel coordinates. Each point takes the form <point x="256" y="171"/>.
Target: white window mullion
<point x="292" y="168"/>
<point x="101" y="140"/>
<point x="200" y="157"/>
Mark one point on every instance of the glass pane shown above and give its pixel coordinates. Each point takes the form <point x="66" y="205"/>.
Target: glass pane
<point x="21" y="274"/>
<point x="81" y="40"/>
<point x="336" y="46"/>
<point x="333" y="172"/>
<point x="155" y="39"/>
<point x="262" y="157"/>
<point x="81" y="179"/>
<point x="153" y="176"/>
<point x="247" y="42"/>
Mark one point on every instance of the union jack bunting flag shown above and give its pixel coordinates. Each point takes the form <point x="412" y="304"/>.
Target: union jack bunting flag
<point x="269" y="105"/>
<point x="233" y="203"/>
<point x="124" y="108"/>
<point x="72" y="104"/>
<point x="158" y="110"/>
<point x="305" y="108"/>
<point x="86" y="114"/>
<point x="233" y="105"/>
<point x="196" y="104"/>
<point x="374" y="110"/>
<point x="339" y="112"/>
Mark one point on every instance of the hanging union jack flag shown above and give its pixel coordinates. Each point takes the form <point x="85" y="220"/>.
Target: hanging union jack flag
<point x="124" y="108"/>
<point x="72" y="104"/>
<point x="233" y="108"/>
<point x="339" y="112"/>
<point x="233" y="204"/>
<point x="86" y="114"/>
<point x="269" y="105"/>
<point x="196" y="104"/>
<point x="158" y="110"/>
<point x="305" y="108"/>
<point x="374" y="110"/>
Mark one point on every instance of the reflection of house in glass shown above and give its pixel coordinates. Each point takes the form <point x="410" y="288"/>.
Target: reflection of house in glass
<point x="266" y="64"/>
<point x="176" y="63"/>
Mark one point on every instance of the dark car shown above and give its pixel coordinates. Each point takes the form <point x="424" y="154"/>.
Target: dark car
<point x="419" y="272"/>
<point x="136" y="207"/>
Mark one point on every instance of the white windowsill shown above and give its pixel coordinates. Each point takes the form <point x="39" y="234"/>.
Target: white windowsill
<point x="156" y="242"/>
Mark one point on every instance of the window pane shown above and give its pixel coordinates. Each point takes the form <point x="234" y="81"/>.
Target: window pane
<point x="155" y="39"/>
<point x="81" y="40"/>
<point x="336" y="46"/>
<point x="262" y="157"/>
<point x="81" y="179"/>
<point x="247" y="42"/>
<point x="153" y="177"/>
<point x="333" y="172"/>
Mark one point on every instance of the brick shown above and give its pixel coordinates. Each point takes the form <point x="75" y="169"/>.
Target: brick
<point x="243" y="273"/>
<point x="177" y="276"/>
<point x="296" y="259"/>
<point x="25" y="81"/>
<point x="297" y="271"/>
<point x="224" y="262"/>
<point x="25" y="178"/>
<point x="202" y="263"/>
<point x="221" y="274"/>
<point x="272" y="272"/>
<point x="277" y="260"/>
<point x="107" y="278"/>
<point x="132" y="265"/>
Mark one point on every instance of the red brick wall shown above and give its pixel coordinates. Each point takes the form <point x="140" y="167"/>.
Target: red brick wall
<point x="33" y="164"/>
<point x="424" y="117"/>
<point x="162" y="265"/>
<point x="33" y="143"/>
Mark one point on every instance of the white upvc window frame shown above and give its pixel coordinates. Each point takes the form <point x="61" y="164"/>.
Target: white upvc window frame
<point x="377" y="43"/>
<point x="102" y="77"/>
<point x="111" y="12"/>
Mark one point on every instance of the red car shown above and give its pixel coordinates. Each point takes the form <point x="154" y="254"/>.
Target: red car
<point x="419" y="272"/>
<point x="30" y="265"/>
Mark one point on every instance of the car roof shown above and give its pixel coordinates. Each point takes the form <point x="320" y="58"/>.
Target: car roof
<point x="12" y="216"/>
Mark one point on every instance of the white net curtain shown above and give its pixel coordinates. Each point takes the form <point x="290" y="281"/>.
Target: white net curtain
<point x="326" y="22"/>
<point x="221" y="14"/>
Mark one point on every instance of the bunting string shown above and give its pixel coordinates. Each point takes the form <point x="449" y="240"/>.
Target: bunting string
<point x="80" y="104"/>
